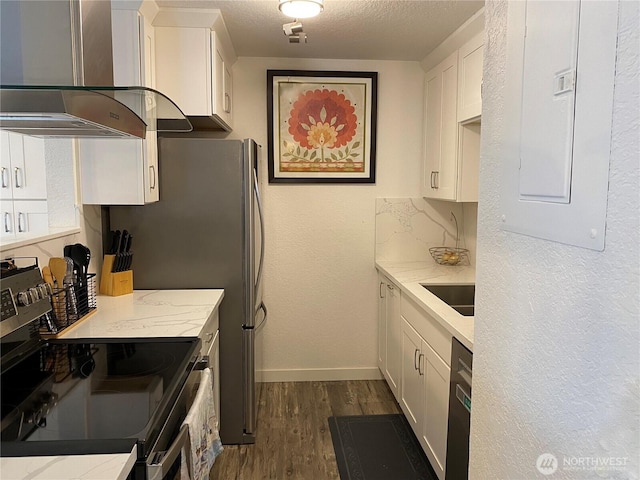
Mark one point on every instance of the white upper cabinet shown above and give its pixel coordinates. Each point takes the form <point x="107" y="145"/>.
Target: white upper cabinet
<point x="470" y="57"/>
<point x="124" y="171"/>
<point x="194" y="59"/>
<point x="23" y="191"/>
<point x="22" y="167"/>
<point x="441" y="130"/>
<point x="453" y="105"/>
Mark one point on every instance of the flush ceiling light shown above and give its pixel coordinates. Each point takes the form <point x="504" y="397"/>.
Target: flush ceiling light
<point x="301" y="8"/>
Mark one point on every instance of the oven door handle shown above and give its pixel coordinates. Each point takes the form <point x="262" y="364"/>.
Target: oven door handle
<point x="201" y="364"/>
<point x="159" y="469"/>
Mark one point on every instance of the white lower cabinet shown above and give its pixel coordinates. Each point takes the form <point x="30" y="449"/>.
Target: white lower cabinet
<point x="424" y="388"/>
<point x="389" y="346"/>
<point x="414" y="355"/>
<point x="433" y="431"/>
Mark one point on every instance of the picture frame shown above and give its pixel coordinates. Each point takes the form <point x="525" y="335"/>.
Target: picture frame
<point x="321" y="126"/>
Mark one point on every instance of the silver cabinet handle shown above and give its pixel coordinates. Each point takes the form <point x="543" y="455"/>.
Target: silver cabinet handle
<point x="227" y="103"/>
<point x="152" y="176"/>
<point x="415" y="358"/>
<point x="435" y="179"/>
<point x="7" y="222"/>
<point x="21" y="223"/>
<point x="18" y="174"/>
<point x="5" y="183"/>
<point x="420" y="364"/>
<point x="431" y="184"/>
<point x="209" y="337"/>
<point x="380" y="290"/>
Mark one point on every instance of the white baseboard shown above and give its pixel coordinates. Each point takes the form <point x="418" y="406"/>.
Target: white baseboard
<point x="318" y="374"/>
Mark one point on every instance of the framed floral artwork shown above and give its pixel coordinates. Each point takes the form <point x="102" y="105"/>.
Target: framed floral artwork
<point x="322" y="126"/>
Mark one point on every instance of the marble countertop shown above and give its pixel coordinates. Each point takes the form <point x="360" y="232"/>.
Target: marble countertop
<point x="142" y="314"/>
<point x="409" y="276"/>
<point x="149" y="314"/>
<point x="115" y="466"/>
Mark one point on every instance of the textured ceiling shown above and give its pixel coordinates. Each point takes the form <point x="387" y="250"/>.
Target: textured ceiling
<point x="352" y="29"/>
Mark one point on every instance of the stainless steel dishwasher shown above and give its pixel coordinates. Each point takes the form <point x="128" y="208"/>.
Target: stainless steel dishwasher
<point x="457" y="467"/>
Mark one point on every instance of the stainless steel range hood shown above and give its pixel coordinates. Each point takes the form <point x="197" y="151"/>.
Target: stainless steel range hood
<point x="56" y="75"/>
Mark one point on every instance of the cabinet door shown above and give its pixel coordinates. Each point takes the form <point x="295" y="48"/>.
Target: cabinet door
<point x="394" y="346"/>
<point x="150" y="166"/>
<point x="470" y="58"/>
<point x="5" y="166"/>
<point x="382" y="324"/>
<point x="23" y="169"/>
<point x="227" y="88"/>
<point x="412" y="383"/>
<point x="222" y="81"/>
<point x="30" y="217"/>
<point x="183" y="68"/>
<point x="433" y="435"/>
<point x="147" y="51"/>
<point x="8" y="231"/>
<point x="126" y="48"/>
<point x="112" y="172"/>
<point x="441" y="130"/>
<point x="124" y="171"/>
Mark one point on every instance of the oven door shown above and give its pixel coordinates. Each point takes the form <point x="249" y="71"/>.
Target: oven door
<point x="163" y="461"/>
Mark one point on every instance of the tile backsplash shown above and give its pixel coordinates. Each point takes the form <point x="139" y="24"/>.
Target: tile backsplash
<point x="407" y="227"/>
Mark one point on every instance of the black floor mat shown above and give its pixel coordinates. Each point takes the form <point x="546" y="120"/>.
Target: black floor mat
<point x="378" y="447"/>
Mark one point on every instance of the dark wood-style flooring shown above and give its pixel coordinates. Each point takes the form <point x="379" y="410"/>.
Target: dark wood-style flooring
<point x="292" y="436"/>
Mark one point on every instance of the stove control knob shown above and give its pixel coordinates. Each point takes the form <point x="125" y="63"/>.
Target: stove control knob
<point x="25" y="298"/>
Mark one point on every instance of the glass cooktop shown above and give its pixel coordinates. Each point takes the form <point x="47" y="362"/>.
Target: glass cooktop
<point x="101" y="392"/>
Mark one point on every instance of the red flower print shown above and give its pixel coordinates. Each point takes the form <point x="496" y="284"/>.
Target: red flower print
<point x="322" y="118"/>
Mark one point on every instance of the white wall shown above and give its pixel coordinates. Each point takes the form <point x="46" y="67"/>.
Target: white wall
<point x="556" y="356"/>
<point x="320" y="279"/>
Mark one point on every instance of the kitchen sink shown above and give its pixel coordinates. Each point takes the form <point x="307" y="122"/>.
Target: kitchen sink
<point x="459" y="297"/>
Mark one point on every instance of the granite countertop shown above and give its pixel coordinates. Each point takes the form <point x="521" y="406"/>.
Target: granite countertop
<point x="142" y="314"/>
<point x="409" y="276"/>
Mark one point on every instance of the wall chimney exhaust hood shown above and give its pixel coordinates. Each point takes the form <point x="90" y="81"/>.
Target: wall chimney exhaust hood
<point x="56" y="75"/>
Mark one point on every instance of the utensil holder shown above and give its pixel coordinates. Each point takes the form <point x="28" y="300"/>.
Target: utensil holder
<point x="115" y="283"/>
<point x="69" y="305"/>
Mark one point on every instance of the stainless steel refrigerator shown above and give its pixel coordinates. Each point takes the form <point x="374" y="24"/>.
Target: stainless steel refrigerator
<point x="207" y="232"/>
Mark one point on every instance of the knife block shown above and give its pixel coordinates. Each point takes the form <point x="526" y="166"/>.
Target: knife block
<point x="115" y="283"/>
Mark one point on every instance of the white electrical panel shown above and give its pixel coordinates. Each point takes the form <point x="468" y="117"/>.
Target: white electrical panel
<point x="558" y="108"/>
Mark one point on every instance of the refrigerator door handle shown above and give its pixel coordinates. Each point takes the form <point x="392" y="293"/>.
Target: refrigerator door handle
<point x="261" y="217"/>
<point x="249" y="381"/>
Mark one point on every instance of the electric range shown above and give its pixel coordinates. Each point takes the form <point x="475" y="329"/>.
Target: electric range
<point x="91" y="396"/>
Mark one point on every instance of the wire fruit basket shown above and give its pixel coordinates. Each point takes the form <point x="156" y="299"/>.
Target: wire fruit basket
<point x="451" y="255"/>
